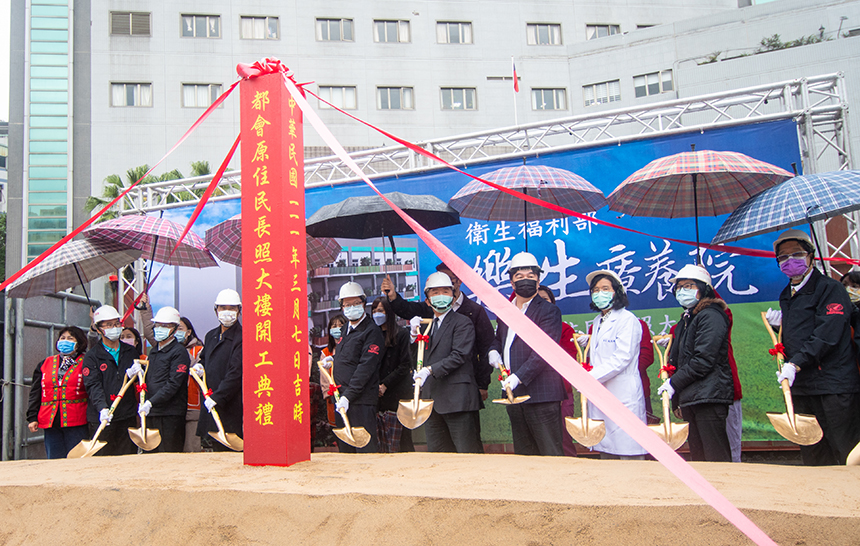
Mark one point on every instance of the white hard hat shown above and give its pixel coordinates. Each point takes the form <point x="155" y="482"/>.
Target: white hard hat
<point x="523" y="259"/>
<point x="167" y="315"/>
<point x="693" y="272"/>
<point x="105" y="312"/>
<point x="608" y="273"/>
<point x="438" y="280"/>
<point x="228" y="296"/>
<point x="792" y="235"/>
<point x="350" y="290"/>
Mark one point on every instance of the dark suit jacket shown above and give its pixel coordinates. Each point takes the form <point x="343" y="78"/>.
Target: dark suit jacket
<point x="481" y="324"/>
<point x="537" y="378"/>
<point x="222" y="358"/>
<point x="356" y="362"/>
<point x="451" y="386"/>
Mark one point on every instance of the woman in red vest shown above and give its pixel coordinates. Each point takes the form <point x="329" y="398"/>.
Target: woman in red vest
<point x="58" y="400"/>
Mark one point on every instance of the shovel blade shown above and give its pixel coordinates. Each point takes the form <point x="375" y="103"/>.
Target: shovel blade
<point x="586" y="432"/>
<point x="354" y="436"/>
<point x="805" y="431"/>
<point x="515" y="400"/>
<point x="146" y="440"/>
<point x="412" y="415"/>
<point x="676" y="436"/>
<point x="853" y="457"/>
<point x="86" y="448"/>
<point x="229" y="440"/>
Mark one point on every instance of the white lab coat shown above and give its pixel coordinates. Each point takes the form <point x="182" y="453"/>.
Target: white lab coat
<point x="615" y="358"/>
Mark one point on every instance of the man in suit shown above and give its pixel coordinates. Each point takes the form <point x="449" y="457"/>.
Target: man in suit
<point x="447" y="376"/>
<point x="536" y="425"/>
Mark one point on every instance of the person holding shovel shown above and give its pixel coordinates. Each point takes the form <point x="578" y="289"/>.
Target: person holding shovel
<point x="167" y="383"/>
<point x="820" y="366"/>
<point x="702" y="383"/>
<point x="447" y="376"/>
<point x="106" y="366"/>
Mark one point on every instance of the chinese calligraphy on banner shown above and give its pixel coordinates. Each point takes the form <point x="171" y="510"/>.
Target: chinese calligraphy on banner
<point x="274" y="279"/>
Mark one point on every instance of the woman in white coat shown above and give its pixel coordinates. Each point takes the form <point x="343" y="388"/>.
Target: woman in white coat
<point x="614" y="356"/>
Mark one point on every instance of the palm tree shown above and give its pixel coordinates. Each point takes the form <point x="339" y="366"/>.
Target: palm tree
<point x="114" y="186"/>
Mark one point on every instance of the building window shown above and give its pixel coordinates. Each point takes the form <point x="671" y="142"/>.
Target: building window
<point x="259" y="28"/>
<point x="640" y="27"/>
<point x="131" y="94"/>
<point x="453" y="33"/>
<point x="334" y="30"/>
<point x="199" y="95"/>
<point x="340" y="96"/>
<point x="599" y="31"/>
<point x="394" y="98"/>
<point x="201" y="26"/>
<point x="458" y="98"/>
<point x="653" y="83"/>
<point x="602" y="93"/>
<point x="129" y="23"/>
<point x="543" y="34"/>
<point x="549" y="99"/>
<point x="391" y="32"/>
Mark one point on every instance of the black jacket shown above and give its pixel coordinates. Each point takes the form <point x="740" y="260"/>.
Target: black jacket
<point x="451" y="385"/>
<point x="167" y="380"/>
<point x="222" y="359"/>
<point x="103" y="377"/>
<point x="816" y="333"/>
<point x="395" y="372"/>
<point x="700" y="354"/>
<point x="356" y="362"/>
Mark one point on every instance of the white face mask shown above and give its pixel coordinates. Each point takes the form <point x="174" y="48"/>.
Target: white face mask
<point x="227" y="318"/>
<point x="113" y="333"/>
<point x="160" y="333"/>
<point x="354" y="312"/>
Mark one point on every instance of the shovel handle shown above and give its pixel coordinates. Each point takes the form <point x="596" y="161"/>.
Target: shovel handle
<point x="789" y="404"/>
<point x="201" y="382"/>
<point x="420" y="360"/>
<point x="662" y="354"/>
<point x="776" y="339"/>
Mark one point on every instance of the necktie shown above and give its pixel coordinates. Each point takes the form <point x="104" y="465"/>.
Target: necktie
<point x="435" y="326"/>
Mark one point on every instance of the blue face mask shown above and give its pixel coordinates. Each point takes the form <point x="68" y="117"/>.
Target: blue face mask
<point x="65" y="346"/>
<point x="602" y="300"/>
<point x="334" y="332"/>
<point x="180" y="335"/>
<point x="353" y="312"/>
<point x="441" y="302"/>
<point x="687" y="297"/>
<point x="160" y="333"/>
<point x="379" y="318"/>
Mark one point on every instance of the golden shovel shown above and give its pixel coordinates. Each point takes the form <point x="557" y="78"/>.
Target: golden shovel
<point x="510" y="393"/>
<point x="413" y="413"/>
<point x="146" y="439"/>
<point x="88" y="448"/>
<point x="585" y="431"/>
<point x="229" y="439"/>
<point x="795" y="427"/>
<point x="354" y="436"/>
<point x="674" y="434"/>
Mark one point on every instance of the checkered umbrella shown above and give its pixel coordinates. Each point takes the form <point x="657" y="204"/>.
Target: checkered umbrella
<point x="155" y="238"/>
<point x="803" y="199"/>
<point x="72" y="264"/>
<point x="224" y="240"/>
<point x="558" y="186"/>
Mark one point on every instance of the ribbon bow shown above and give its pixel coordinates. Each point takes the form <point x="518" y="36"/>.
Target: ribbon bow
<point x="669" y="369"/>
<point x="140" y="388"/>
<point x="115" y="396"/>
<point x="268" y="65"/>
<point x="586" y="366"/>
<point x="419" y="338"/>
<point x="332" y="389"/>
<point x="778" y="349"/>
<point x="208" y="394"/>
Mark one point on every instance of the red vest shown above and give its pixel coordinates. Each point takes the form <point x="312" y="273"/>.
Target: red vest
<point x="69" y="397"/>
<point x="193" y="389"/>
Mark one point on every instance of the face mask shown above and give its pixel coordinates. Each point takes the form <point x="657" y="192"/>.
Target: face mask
<point x="65" y="346"/>
<point x="379" y="318"/>
<point x="602" y="300"/>
<point x="854" y="294"/>
<point x="160" y="333"/>
<point x="113" y="333"/>
<point x="180" y="336"/>
<point x="794" y="267"/>
<point x="129" y="341"/>
<point x="441" y="302"/>
<point x="227" y="318"/>
<point x="687" y="297"/>
<point x="353" y="312"/>
<point x="334" y="332"/>
<point x="526" y="288"/>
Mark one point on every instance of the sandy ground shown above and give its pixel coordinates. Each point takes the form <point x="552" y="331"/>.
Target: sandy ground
<point x="414" y="498"/>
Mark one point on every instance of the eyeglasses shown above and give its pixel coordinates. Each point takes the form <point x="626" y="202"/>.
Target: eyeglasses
<point x="799" y="255"/>
<point x="687" y="284"/>
<point x="596" y="289"/>
<point x="115" y="324"/>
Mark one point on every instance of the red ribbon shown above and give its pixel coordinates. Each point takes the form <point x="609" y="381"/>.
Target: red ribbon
<point x="586" y="366"/>
<point x="669" y="369"/>
<point x="140" y="388"/>
<point x="778" y="349"/>
<point x="332" y="389"/>
<point x="208" y="394"/>
<point x="268" y="65"/>
<point x="115" y="396"/>
<point x="419" y="338"/>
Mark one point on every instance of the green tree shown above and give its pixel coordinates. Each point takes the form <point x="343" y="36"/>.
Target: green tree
<point x="114" y="185"/>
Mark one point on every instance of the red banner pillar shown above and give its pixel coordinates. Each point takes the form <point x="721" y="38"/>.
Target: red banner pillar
<point x="274" y="276"/>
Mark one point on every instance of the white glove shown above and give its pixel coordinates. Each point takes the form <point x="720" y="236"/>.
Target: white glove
<point x="512" y="381"/>
<point x="209" y="403"/>
<point x="327" y="362"/>
<point x="495" y="359"/>
<point x="582" y="340"/>
<point x="788" y="372"/>
<point x="774" y="317"/>
<point x="666" y="387"/>
<point x="664" y="341"/>
<point x="415" y="326"/>
<point x="421" y="375"/>
<point x="144" y="408"/>
<point x="105" y="416"/>
<point x="198" y="369"/>
<point x="342" y="404"/>
<point x="133" y="370"/>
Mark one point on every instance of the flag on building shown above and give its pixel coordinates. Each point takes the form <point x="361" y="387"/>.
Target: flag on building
<point x="516" y="81"/>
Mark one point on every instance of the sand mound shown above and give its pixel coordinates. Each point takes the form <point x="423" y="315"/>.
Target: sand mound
<point x="413" y="498"/>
